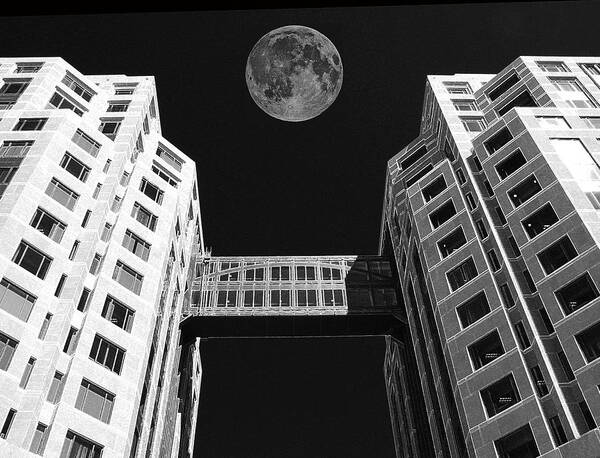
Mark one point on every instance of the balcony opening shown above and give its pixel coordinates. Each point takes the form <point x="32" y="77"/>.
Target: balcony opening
<point x="434" y="188"/>
<point x="452" y="242"/>
<point x="557" y="255"/>
<point x="524" y="99"/>
<point x="518" y="444"/>
<point x="486" y="350"/>
<point x="576" y="294"/>
<point x="472" y="310"/>
<point x="498" y="141"/>
<point x="500" y="395"/>
<point x="442" y="214"/>
<point x="539" y="221"/>
<point x="511" y="164"/>
<point x="503" y="87"/>
<point x="524" y="191"/>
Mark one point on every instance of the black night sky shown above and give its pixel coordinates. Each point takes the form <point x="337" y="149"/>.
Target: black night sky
<point x="269" y="187"/>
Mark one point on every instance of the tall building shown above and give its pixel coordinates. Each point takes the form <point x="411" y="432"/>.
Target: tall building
<point x="492" y="214"/>
<point x="98" y="215"/>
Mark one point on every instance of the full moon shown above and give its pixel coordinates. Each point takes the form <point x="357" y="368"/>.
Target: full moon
<point x="294" y="73"/>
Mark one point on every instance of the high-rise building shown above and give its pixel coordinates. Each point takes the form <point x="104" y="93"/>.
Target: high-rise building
<point x="98" y="214"/>
<point x="492" y="215"/>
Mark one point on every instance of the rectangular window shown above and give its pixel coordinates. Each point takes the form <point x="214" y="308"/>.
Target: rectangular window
<point x="48" y="225"/>
<point x="498" y="141"/>
<point x="473" y="124"/>
<point x="493" y="260"/>
<point x="62" y="194"/>
<point x="417" y="176"/>
<point x="507" y="297"/>
<point x="32" y="260"/>
<point x="6" y="174"/>
<point x="78" y="87"/>
<point x="87" y="143"/>
<point x="307" y="298"/>
<point x="107" y="354"/>
<point x="413" y="158"/>
<point x="592" y="122"/>
<point x="501" y="217"/>
<point x="594" y="68"/>
<point x="95" y="401"/>
<point x="279" y="273"/>
<point x="144" y="216"/>
<point x="552" y="66"/>
<point x="557" y="430"/>
<point x="486" y="350"/>
<point x="128" y="277"/>
<point x="118" y="313"/>
<point x="115" y="206"/>
<point x="61" y="102"/>
<point x="518" y="444"/>
<point x="473" y="309"/>
<point x="7" y="350"/>
<point x="253" y="298"/>
<point x="524" y="99"/>
<point x="500" y="395"/>
<point x="118" y="106"/>
<point x="226" y="298"/>
<point x="124" y="178"/>
<point x="152" y="191"/>
<point x="75" y="167"/>
<point x="56" y="388"/>
<point x="14" y="87"/>
<point x="136" y="245"/>
<point x="110" y="127"/>
<point x="60" y="285"/>
<point x="461" y="176"/>
<point x="106" y="232"/>
<point x="7" y="423"/>
<point x="28" y="67"/>
<point x="86" y="218"/>
<point x="169" y="157"/>
<point x="172" y="180"/>
<point x="434" y="188"/>
<point x="546" y="320"/>
<point x="45" y="326"/>
<point x="71" y="341"/>
<point x="577" y="293"/>
<point x="76" y="446"/>
<point x="40" y="437"/>
<point x="573" y="92"/>
<point x="442" y="214"/>
<point x="539" y="221"/>
<point x="465" y="105"/>
<point x="15" y="148"/>
<point x="280" y="298"/>
<point x="481" y="230"/>
<point x="305" y="273"/>
<point x="566" y="367"/>
<point x="332" y="298"/>
<point x="557" y="255"/>
<point x="524" y="191"/>
<point x="587" y="415"/>
<point x="255" y="274"/>
<point x="511" y="164"/>
<point x="27" y="373"/>
<point x="471" y="201"/>
<point x="522" y="335"/>
<point x="529" y="281"/>
<point x="84" y="300"/>
<point x="552" y="122"/>
<point x="124" y="91"/>
<point x="452" y="242"/>
<point x="25" y="124"/>
<point x="74" y="249"/>
<point x="539" y="382"/>
<point x="503" y="87"/>
<point x="462" y="274"/>
<point x="458" y="87"/>
<point x="576" y="158"/>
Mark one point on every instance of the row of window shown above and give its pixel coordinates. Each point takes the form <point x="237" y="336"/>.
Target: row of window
<point x="279" y="273"/>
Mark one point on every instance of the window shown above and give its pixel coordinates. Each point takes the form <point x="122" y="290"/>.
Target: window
<point x="124" y="91"/>
<point x="109" y="127"/>
<point x="305" y="273"/>
<point x="118" y="313"/>
<point x="473" y="309"/>
<point x="48" y="225"/>
<point x="529" y="281"/>
<point x="594" y="198"/>
<point x="253" y="298"/>
<point x="557" y="430"/>
<point x="518" y="444"/>
<point x="60" y="101"/>
<point x="592" y="122"/>
<point x="107" y="354"/>
<point x="152" y="108"/>
<point x="8" y="423"/>
<point x="40" y="437"/>
<point x="524" y="191"/>
<point x="538" y="379"/>
<point x="124" y="178"/>
<point x="71" y="341"/>
<point x="226" y="298"/>
<point x="87" y="143"/>
<point x="458" y="87"/>
<point x="56" y="388"/>
<point x="45" y="326"/>
<point x="7" y="350"/>
<point x="552" y="122"/>
<point x="577" y="293"/>
<point x="573" y="92"/>
<point x="481" y="230"/>
<point x="486" y="350"/>
<point x="32" y="260"/>
<point x="255" y="274"/>
<point x="96" y="191"/>
<point x="165" y="175"/>
<point x="417" y="176"/>
<point x="557" y="255"/>
<point x="6" y="175"/>
<point x="507" y="297"/>
<point x="332" y="298"/>
<point x="86" y="218"/>
<point x="546" y="320"/>
<point x="74" y="249"/>
<point x="452" y="242"/>
<point x="27" y="373"/>
<point x="78" y="87"/>
<point x="473" y="124"/>
<point x="280" y="298"/>
<point x="95" y="401"/>
<point x="566" y="367"/>
<point x="594" y="69"/>
<point x="15" y="148"/>
<point x="152" y="191"/>
<point x="136" y="245"/>
<point x="539" y="221"/>
<point x="442" y="214"/>
<point x="524" y="99"/>
<point x="146" y="125"/>
<point x="498" y="140"/>
<point x="587" y="415"/>
<point x="116" y="204"/>
<point x="503" y="87"/>
<point x="501" y="217"/>
<point x="461" y="176"/>
<point x="434" y="188"/>
<point x="307" y="298"/>
<point x="330" y="273"/>
<point x="577" y="158"/>
<point x="128" y="277"/>
<point x="84" y="300"/>
<point x="511" y="164"/>
<point x="493" y="260"/>
<point x="14" y="87"/>
<point x="75" y="167"/>
<point x="280" y="273"/>
<point x="500" y="395"/>
<point x="169" y="157"/>
<point x="462" y="274"/>
<point x="476" y="163"/>
<point x="144" y="216"/>
<point x="555" y="66"/>
<point x="96" y="263"/>
<point x="28" y="67"/>
<point x="106" y="232"/>
<point x="60" y="285"/>
<point x="76" y="446"/>
<point x="465" y="105"/>
<point x="62" y="194"/>
<point x="118" y="106"/>
<point x="448" y="151"/>
<point x="471" y="201"/>
<point x="106" y="166"/>
<point x="522" y="336"/>
<point x="413" y="158"/>
<point x="30" y="124"/>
